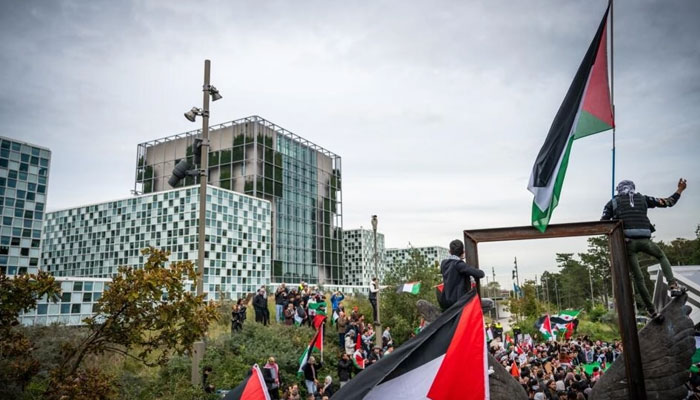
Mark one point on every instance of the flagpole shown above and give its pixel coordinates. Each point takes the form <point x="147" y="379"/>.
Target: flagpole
<point x="612" y="90"/>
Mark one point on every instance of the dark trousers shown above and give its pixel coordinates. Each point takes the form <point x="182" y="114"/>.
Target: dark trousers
<point x="373" y="302"/>
<point x="341" y="341"/>
<point x="635" y="246"/>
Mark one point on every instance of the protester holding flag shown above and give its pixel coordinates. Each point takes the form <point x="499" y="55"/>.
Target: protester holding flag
<point x="456" y="275"/>
<point x="311" y="374"/>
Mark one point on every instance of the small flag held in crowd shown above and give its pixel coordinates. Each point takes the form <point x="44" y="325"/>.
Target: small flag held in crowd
<point x="410" y="287"/>
<point x="514" y="371"/>
<point x="546" y="328"/>
<point x="358" y="359"/>
<point x="316" y="344"/>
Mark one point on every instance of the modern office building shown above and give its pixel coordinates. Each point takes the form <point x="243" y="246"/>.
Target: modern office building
<point x="258" y="158"/>
<point x="94" y="240"/>
<point x="396" y="257"/>
<point x="24" y="178"/>
<point x="76" y="302"/>
<point x="358" y="254"/>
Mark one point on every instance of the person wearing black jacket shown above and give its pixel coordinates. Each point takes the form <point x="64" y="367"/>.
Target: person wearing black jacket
<point x="344" y="369"/>
<point x="310" y="370"/>
<point x="456" y="276"/>
<point x="260" y="306"/>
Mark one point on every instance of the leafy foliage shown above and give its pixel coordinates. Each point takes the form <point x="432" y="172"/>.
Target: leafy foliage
<point x="398" y="310"/>
<point x="18" y="294"/>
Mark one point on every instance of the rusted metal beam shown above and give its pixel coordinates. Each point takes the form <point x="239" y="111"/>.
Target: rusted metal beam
<point x="528" y="232"/>
<point x="625" y="314"/>
<point x="620" y="274"/>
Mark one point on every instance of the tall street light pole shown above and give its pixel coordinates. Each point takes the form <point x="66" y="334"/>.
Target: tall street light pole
<point x="378" y="330"/>
<point x="207" y="91"/>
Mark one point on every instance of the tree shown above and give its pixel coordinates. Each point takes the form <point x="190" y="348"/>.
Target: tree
<point x="19" y="294"/>
<point x="146" y="314"/>
<point x="574" y="289"/>
<point x="399" y="309"/>
<point x="597" y="259"/>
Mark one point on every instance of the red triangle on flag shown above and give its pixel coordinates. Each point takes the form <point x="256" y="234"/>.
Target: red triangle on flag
<point x="252" y="388"/>
<point x="465" y="359"/>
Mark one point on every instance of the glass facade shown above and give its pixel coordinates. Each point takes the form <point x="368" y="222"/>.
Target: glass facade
<point x="76" y="302"/>
<point x="94" y="240"/>
<point x="24" y="178"/>
<point x="396" y="257"/>
<point x="358" y="253"/>
<point x="258" y="158"/>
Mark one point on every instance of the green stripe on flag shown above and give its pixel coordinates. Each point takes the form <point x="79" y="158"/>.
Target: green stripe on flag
<point x="540" y="218"/>
<point x="588" y="125"/>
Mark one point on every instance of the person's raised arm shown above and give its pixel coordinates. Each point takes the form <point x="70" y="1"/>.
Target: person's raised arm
<point x="670" y="201"/>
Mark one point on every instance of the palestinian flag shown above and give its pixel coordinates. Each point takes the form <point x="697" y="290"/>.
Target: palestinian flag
<point x="586" y="110"/>
<point x="569" y="330"/>
<point x="358" y="359"/>
<point x="435" y="364"/>
<point x="253" y="387"/>
<point x="358" y="341"/>
<point x="316" y="344"/>
<point x="318" y="321"/>
<point x="410" y="287"/>
<point x="440" y="287"/>
<point x="545" y="327"/>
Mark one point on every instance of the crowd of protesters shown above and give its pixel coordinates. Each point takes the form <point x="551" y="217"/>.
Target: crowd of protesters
<point x="298" y="305"/>
<point x="554" y="370"/>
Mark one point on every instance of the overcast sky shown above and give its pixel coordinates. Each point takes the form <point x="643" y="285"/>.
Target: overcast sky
<point x="438" y="109"/>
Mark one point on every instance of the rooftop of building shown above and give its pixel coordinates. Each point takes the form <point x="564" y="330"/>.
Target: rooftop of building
<point x="20" y="141"/>
<point x="157" y="194"/>
<point x="253" y="119"/>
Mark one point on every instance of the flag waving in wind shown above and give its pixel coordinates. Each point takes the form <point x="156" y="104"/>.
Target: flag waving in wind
<point x="436" y="364"/>
<point x="586" y="110"/>
<point x="253" y="387"/>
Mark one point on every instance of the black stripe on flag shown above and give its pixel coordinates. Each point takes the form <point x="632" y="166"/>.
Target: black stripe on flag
<point x="558" y="135"/>
<point x="430" y="344"/>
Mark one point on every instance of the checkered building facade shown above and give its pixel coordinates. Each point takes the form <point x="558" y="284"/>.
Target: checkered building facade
<point x="396" y="257"/>
<point x="358" y="256"/>
<point x="24" y="175"/>
<point x="94" y="240"/>
<point x="76" y="302"/>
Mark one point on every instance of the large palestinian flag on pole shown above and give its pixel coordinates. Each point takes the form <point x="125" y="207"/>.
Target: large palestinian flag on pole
<point x="252" y="388"/>
<point x="586" y="110"/>
<point x="449" y="353"/>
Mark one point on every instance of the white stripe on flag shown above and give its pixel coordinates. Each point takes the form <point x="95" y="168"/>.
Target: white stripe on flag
<point x="413" y="385"/>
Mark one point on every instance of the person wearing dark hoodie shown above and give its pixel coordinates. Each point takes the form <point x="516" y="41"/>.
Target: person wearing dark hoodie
<point x="456" y="276"/>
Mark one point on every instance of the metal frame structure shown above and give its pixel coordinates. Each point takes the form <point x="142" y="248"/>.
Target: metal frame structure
<point x="620" y="272"/>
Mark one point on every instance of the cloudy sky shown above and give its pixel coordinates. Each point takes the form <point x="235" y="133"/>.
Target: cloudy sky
<point x="438" y="108"/>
